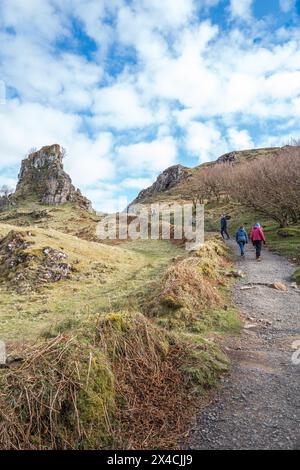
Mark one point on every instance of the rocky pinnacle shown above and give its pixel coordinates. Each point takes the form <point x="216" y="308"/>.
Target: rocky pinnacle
<point x="42" y="175"/>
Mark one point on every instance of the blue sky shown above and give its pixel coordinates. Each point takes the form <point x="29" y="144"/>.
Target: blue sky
<point x="130" y="87"/>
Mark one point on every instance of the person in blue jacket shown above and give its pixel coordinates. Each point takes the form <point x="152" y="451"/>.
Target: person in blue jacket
<point x="242" y="239"/>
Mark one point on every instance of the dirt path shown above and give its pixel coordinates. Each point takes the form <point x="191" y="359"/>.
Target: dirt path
<point x="258" y="405"/>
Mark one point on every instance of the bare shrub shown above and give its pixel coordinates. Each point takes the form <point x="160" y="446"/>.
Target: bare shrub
<point x="211" y="184"/>
<point x="5" y="191"/>
<point x="294" y="142"/>
<point x="32" y="150"/>
<point x="270" y="186"/>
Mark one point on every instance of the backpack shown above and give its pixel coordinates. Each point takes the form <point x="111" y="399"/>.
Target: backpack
<point x="241" y="235"/>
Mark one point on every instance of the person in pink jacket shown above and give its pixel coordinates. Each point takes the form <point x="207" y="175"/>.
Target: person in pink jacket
<point x="257" y="237"/>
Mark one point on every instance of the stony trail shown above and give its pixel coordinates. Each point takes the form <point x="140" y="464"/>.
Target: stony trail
<point x="258" y="404"/>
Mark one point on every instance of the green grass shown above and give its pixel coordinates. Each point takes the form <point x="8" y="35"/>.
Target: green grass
<point x="285" y="241"/>
<point x="218" y="321"/>
<point x="296" y="276"/>
<point x="118" y="350"/>
<point x="67" y="218"/>
<point x="106" y="278"/>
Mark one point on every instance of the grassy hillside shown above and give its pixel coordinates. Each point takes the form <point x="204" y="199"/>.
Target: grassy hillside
<point x="67" y="218"/>
<point x="92" y="330"/>
<point x="119" y="342"/>
<point x="184" y="190"/>
<point x="284" y="241"/>
<point x="101" y="278"/>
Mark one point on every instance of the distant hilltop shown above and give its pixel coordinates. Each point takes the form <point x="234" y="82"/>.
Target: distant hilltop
<point x="178" y="182"/>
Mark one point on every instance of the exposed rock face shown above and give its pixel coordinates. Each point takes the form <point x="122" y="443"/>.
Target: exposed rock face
<point x="42" y="174"/>
<point x="228" y="158"/>
<point x="166" y="180"/>
<point x="23" y="268"/>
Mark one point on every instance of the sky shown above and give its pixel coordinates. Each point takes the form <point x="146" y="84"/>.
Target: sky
<point x="131" y="87"/>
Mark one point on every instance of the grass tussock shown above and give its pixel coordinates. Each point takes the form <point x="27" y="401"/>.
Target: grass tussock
<point x="60" y="397"/>
<point x="189" y="294"/>
<point x="184" y="286"/>
<point x="102" y="375"/>
<point x="121" y="382"/>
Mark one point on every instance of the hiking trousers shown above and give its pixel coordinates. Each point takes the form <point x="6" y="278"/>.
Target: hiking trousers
<point x="224" y="230"/>
<point x="242" y="246"/>
<point x="258" y="247"/>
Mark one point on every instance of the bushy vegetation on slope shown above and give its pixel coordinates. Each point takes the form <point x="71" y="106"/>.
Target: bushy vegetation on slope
<point x="120" y="377"/>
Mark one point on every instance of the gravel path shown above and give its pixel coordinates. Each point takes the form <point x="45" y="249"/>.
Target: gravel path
<point x="258" y="405"/>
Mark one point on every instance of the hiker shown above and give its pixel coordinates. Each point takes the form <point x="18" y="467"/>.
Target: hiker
<point x="257" y="237"/>
<point x="224" y="227"/>
<point x="242" y="239"/>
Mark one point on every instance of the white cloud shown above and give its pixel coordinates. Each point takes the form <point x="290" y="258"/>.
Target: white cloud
<point x="103" y="201"/>
<point x="136" y="183"/>
<point x="24" y="126"/>
<point x="121" y="107"/>
<point x="66" y="81"/>
<point x="286" y="5"/>
<point x="7" y="181"/>
<point x="183" y="71"/>
<point x="88" y="160"/>
<point x="166" y="13"/>
<point x="207" y="142"/>
<point x="241" y="9"/>
<point x="148" y="157"/>
<point x="239" y="140"/>
<point x="142" y="17"/>
<point x="32" y="18"/>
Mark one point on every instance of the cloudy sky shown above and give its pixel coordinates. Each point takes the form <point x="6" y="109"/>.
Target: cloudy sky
<point x="130" y="87"/>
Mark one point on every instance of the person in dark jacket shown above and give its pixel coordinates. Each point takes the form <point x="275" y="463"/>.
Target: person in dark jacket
<point x="257" y="237"/>
<point x="241" y="239"/>
<point x="224" y="227"/>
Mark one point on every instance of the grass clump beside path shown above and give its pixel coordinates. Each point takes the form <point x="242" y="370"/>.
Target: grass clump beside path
<point x="114" y="383"/>
<point x="192" y="294"/>
<point x="296" y="276"/>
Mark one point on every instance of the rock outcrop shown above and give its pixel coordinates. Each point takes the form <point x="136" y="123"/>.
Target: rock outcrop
<point x="42" y="175"/>
<point x="24" y="268"/>
<point x="228" y="158"/>
<point x="166" y="180"/>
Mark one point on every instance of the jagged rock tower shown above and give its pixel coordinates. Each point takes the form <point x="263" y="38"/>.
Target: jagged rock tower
<point x="42" y="175"/>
